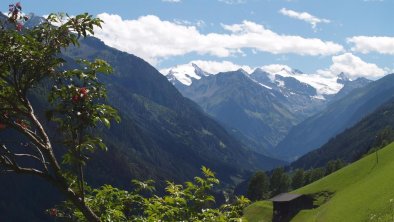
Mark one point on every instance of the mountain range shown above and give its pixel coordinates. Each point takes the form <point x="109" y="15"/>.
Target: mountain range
<point x="260" y="107"/>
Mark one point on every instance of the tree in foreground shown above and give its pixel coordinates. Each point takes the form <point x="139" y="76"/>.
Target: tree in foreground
<point x="30" y="61"/>
<point x="259" y="186"/>
<point x="279" y="182"/>
<point x="192" y="201"/>
<point x="298" y="179"/>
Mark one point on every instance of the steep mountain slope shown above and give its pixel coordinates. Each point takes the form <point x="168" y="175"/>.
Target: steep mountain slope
<point x="168" y="133"/>
<point x="344" y="113"/>
<point x="244" y="106"/>
<point x="361" y="191"/>
<point x="367" y="177"/>
<point x="350" y="145"/>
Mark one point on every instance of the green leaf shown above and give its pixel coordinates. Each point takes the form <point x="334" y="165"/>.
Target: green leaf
<point x="106" y="122"/>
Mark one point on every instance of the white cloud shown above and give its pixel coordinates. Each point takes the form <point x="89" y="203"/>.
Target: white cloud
<point x="171" y="1"/>
<point x="303" y="16"/>
<point x="198" y="23"/>
<point x="275" y="68"/>
<point x="353" y="67"/>
<point x="154" y="39"/>
<point x="366" y="44"/>
<point x="233" y="2"/>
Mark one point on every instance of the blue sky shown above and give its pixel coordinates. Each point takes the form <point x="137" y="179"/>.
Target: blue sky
<point x="315" y="36"/>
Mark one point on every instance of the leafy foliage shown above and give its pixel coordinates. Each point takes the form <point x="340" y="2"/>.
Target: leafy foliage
<point x="28" y="59"/>
<point x="280" y="181"/>
<point x="258" y="188"/>
<point x="298" y="179"/>
<point x="76" y="97"/>
<point x="262" y="187"/>
<point x="189" y="202"/>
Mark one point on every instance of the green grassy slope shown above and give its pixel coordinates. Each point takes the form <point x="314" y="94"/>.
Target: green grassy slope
<point x="361" y="191"/>
<point x="260" y="211"/>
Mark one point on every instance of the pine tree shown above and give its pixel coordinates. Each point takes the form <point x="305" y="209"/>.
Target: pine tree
<point x="297" y="180"/>
<point x="258" y="186"/>
<point x="279" y="181"/>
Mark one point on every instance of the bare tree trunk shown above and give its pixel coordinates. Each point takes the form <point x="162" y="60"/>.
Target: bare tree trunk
<point x="58" y="180"/>
<point x="86" y="211"/>
<point x="61" y="184"/>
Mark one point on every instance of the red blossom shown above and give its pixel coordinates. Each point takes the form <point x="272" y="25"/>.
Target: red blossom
<point x="83" y="91"/>
<point x="53" y="212"/>
<point x="2" y="126"/>
<point x="19" y="26"/>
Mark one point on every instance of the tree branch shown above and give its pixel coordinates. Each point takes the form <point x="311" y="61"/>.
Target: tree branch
<point x="7" y="159"/>
<point x="28" y="155"/>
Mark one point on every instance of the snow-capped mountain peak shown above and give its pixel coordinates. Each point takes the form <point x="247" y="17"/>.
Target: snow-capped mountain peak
<point x="272" y="76"/>
<point x="323" y="85"/>
<point x="184" y="73"/>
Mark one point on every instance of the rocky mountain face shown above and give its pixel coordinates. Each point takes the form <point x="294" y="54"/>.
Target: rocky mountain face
<point x="300" y="98"/>
<point x="246" y="108"/>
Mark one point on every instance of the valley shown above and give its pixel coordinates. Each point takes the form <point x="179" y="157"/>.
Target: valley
<point x="232" y="110"/>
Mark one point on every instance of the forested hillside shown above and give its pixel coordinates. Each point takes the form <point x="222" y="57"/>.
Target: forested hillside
<point x="339" y="115"/>
<point x="372" y="132"/>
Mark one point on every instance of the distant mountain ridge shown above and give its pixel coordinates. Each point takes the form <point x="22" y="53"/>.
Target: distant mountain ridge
<point x="188" y="73"/>
<point x="259" y="108"/>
